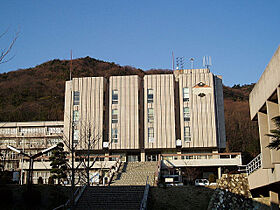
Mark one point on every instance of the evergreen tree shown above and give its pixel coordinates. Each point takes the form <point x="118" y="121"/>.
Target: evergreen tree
<point x="59" y="163"/>
<point x="275" y="134"/>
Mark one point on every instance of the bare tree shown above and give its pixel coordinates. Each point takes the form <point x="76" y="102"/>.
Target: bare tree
<point x="4" y="52"/>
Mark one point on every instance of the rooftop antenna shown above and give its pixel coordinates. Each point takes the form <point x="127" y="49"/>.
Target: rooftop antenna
<point x="207" y="61"/>
<point x="71" y="66"/>
<point x="182" y="62"/>
<point x="192" y="60"/>
<point x="177" y="62"/>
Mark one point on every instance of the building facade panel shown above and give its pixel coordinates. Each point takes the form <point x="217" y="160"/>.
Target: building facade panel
<point x="84" y="111"/>
<point x="159" y="114"/>
<point x="201" y="104"/>
<point x="124" y="112"/>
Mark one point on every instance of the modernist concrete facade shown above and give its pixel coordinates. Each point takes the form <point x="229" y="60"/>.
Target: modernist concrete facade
<point x="158" y="114"/>
<point x="169" y="117"/>
<point x="264" y="105"/>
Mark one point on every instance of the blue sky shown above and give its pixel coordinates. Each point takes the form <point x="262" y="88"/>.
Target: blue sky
<point x="240" y="35"/>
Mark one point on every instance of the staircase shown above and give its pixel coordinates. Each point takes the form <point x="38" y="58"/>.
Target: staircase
<point x="112" y="197"/>
<point x="135" y="173"/>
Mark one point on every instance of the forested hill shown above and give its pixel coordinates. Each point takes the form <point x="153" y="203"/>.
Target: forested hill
<point x="38" y="94"/>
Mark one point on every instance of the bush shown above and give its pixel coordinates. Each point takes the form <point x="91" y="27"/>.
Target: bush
<point x="51" y="181"/>
<point x="40" y="180"/>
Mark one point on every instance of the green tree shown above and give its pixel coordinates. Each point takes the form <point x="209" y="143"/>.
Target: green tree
<point x="275" y="134"/>
<point x="59" y="163"/>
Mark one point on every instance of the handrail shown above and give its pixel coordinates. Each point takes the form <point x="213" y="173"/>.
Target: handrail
<point x="200" y="154"/>
<point x="143" y="205"/>
<point x="113" y="171"/>
<point x="157" y="172"/>
<point x="254" y="164"/>
<point x="77" y="194"/>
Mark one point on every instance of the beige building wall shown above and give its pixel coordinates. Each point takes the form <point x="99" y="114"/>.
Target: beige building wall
<point x="264" y="105"/>
<point x="163" y="124"/>
<point x="205" y="107"/>
<point x="126" y="121"/>
<point x="89" y="111"/>
<point x="30" y="137"/>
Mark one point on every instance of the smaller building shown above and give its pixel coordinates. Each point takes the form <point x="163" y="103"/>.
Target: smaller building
<point x="31" y="138"/>
<point x="264" y="101"/>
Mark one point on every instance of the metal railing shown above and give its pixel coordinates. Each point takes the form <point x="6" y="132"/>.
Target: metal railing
<point x="78" y="193"/>
<point x="255" y="164"/>
<point x="114" y="169"/>
<point x="196" y="156"/>
<point x="143" y="205"/>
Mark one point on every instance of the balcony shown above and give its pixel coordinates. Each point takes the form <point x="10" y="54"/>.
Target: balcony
<point x="259" y="177"/>
<point x="201" y="159"/>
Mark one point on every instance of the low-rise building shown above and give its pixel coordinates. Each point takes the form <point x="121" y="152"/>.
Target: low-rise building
<point x="264" y="170"/>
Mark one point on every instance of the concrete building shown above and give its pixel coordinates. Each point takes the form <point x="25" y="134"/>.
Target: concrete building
<point x="177" y="119"/>
<point x="144" y="117"/>
<point x="264" y="99"/>
<point x="31" y="138"/>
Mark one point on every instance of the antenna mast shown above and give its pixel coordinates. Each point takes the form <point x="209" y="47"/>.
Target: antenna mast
<point x="71" y="66"/>
<point x="207" y="61"/>
<point x="192" y="60"/>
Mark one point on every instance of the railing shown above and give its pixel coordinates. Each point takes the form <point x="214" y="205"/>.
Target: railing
<point x="114" y="169"/>
<point x="196" y="156"/>
<point x="143" y="205"/>
<point x="255" y="164"/>
<point x="78" y="193"/>
<point x="157" y="172"/>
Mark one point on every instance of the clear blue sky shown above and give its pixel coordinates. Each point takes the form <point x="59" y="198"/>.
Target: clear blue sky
<point x="240" y="35"/>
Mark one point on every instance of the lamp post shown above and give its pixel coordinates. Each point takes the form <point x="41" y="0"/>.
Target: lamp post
<point x="31" y="160"/>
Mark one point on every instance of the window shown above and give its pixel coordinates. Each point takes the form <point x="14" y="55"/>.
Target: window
<point x="114" y="135"/>
<point x="75" y="116"/>
<point x="76" y="98"/>
<point x="114" y="116"/>
<point x="52" y="130"/>
<point x="150" y="115"/>
<point x="186" y="114"/>
<point x="186" y="94"/>
<point x="151" y="135"/>
<point x="150" y="96"/>
<point x="187" y="133"/>
<point x="115" y="97"/>
<point x="76" y="136"/>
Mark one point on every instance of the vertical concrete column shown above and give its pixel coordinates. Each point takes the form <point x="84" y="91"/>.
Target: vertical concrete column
<point x="142" y="155"/>
<point x="179" y="153"/>
<point x="273" y="111"/>
<point x="274" y="200"/>
<point x="219" y="172"/>
<point x="264" y="140"/>
<point x="106" y="154"/>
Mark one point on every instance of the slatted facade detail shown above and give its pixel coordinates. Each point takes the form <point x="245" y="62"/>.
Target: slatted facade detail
<point x="163" y="110"/>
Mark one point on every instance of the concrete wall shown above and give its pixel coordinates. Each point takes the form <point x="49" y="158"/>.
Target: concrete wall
<point x="266" y="85"/>
<point x="90" y="110"/>
<point x="264" y="105"/>
<point x="128" y="88"/>
<point x="202" y="108"/>
<point x="164" y="111"/>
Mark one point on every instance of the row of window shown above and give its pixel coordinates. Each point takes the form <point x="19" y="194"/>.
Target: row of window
<point x="31" y="130"/>
<point x="115" y="96"/>
<point x="151" y="134"/>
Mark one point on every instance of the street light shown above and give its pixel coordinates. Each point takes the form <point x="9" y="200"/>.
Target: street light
<point x="31" y="159"/>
